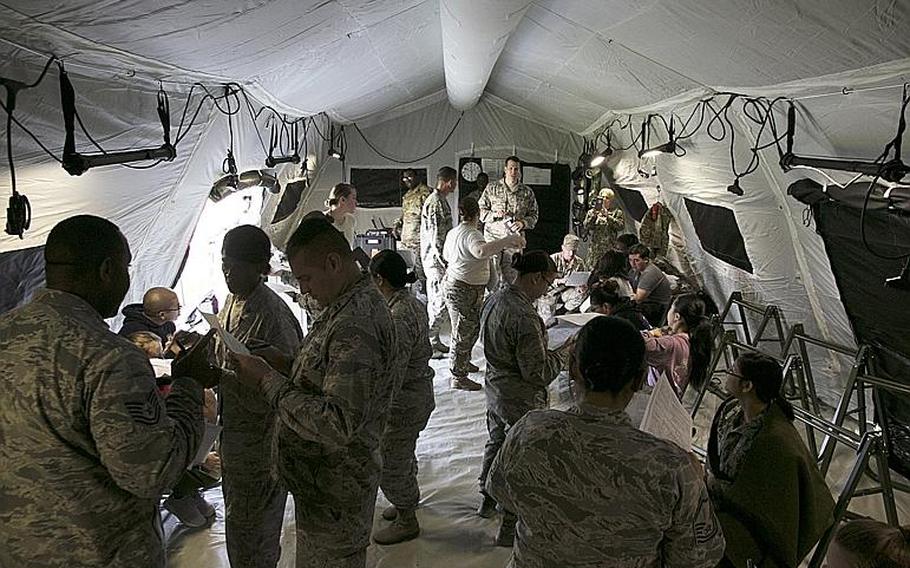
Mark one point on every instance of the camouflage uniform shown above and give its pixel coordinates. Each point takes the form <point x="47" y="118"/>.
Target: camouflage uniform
<point x="463" y="301"/>
<point x="654" y="231"/>
<point x="331" y="417"/>
<point x="589" y="489"/>
<point x="412" y="402"/>
<point x="88" y="444"/>
<point x="435" y="223"/>
<point x="603" y="228"/>
<point x="254" y="499"/>
<point x="411" y="207"/>
<point x="519" y="365"/>
<point x="518" y="204"/>
<point x="571" y="297"/>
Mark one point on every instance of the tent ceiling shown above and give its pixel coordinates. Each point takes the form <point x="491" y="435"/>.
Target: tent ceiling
<point x="567" y="61"/>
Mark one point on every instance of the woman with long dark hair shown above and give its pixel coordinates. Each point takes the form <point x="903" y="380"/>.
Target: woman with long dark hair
<point x="612" y="266"/>
<point x="606" y="299"/>
<point x="412" y="399"/>
<point x="770" y="499"/>
<point x="685" y="352"/>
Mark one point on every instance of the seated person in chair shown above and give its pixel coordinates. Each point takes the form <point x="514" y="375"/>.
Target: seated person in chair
<point x="567" y="261"/>
<point x="186" y="501"/>
<point x="771" y="500"/>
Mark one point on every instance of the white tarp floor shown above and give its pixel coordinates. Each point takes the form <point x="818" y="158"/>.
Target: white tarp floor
<point x="449" y="452"/>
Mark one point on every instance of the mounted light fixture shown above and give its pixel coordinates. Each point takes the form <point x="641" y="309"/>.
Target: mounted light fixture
<point x="647" y="151"/>
<point x="598" y="158"/>
<point x="337" y="153"/>
<point x="893" y="170"/>
<point x="77" y="164"/>
<point x="290" y="134"/>
<point x="232" y="183"/>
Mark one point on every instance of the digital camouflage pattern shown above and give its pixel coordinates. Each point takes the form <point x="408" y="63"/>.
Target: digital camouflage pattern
<point x="87" y="443"/>
<point x="331" y="417"/>
<point x="500" y="205"/>
<point x="435" y="223"/>
<point x="412" y="402"/>
<point x="463" y="302"/>
<point x="519" y="365"/>
<point x="254" y="499"/>
<point x="603" y="228"/>
<point x="411" y="207"/>
<point x="589" y="490"/>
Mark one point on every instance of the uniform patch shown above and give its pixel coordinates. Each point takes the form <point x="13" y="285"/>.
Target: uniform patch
<point x="146" y="411"/>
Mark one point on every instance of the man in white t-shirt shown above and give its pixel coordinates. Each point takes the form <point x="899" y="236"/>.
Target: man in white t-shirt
<point x="467" y="255"/>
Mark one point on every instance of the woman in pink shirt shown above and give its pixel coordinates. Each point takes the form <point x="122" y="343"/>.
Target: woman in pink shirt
<point x="685" y="352"/>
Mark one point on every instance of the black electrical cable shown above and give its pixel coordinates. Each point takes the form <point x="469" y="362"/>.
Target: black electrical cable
<point x="316" y="126"/>
<point x="896" y="144"/>
<point x="397" y="161"/>
<point x="253" y="117"/>
<point x="32" y="135"/>
<point x="19" y="211"/>
<point x="103" y="151"/>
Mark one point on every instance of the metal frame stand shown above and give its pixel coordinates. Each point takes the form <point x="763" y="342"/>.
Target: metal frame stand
<point x="883" y="478"/>
<point x="727" y="341"/>
<point x="867" y="446"/>
<point x="769" y="314"/>
<point x="799" y="340"/>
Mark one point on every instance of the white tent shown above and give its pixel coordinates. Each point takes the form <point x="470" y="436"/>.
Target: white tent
<point x="530" y="77"/>
<point x="487" y="78"/>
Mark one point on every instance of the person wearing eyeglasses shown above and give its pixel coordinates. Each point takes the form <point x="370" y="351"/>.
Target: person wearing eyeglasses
<point x="771" y="500"/>
<point x="157" y="313"/>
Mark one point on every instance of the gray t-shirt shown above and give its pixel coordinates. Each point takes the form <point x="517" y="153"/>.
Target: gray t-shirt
<point x="654" y="281"/>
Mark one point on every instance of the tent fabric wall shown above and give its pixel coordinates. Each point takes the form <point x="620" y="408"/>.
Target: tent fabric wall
<point x="487" y="129"/>
<point x="790" y="266"/>
<point x="568" y="66"/>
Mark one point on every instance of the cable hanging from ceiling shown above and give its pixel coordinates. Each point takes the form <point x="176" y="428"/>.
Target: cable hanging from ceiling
<point x="414" y="160"/>
<point x="714" y="119"/>
<point x="284" y="141"/>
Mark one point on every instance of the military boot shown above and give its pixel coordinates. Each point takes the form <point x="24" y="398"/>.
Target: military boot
<point x="403" y="528"/>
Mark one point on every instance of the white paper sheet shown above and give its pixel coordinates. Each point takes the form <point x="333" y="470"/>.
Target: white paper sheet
<point x="231" y="342"/>
<point x="577" y="278"/>
<point x="535" y="176"/>
<point x="161" y="367"/>
<point x="208" y="440"/>
<point x="578" y="319"/>
<point x="666" y="418"/>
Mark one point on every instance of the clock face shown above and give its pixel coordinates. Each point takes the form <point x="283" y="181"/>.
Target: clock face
<point x="470" y="170"/>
